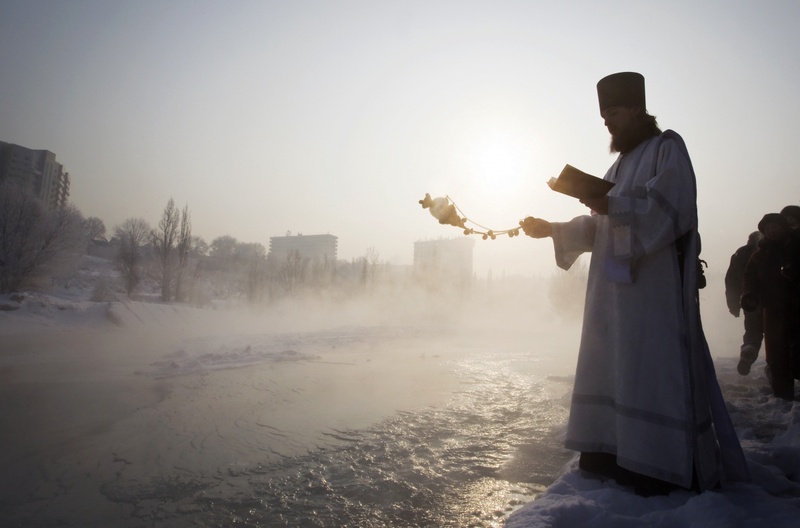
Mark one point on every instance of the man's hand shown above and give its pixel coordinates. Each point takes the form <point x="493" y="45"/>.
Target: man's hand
<point x="598" y="205"/>
<point x="536" y="227"/>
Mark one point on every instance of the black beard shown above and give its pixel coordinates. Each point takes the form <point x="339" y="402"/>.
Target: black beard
<point x="625" y="141"/>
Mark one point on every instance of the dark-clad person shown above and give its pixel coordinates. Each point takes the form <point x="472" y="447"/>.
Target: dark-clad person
<point x="791" y="270"/>
<point x="770" y="285"/>
<point x="753" y="326"/>
<point x="792" y="215"/>
<point x="646" y="407"/>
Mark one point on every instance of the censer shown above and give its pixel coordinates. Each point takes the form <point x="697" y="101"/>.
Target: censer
<point x="448" y="213"/>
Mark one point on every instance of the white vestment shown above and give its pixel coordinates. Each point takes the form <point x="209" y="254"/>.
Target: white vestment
<point x="645" y="387"/>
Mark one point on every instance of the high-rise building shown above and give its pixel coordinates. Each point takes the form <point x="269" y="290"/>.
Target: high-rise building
<point x="35" y="170"/>
<point x="311" y="247"/>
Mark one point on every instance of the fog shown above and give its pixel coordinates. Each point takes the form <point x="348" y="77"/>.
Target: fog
<point x="265" y="117"/>
<point x="103" y="400"/>
<point x="106" y="403"/>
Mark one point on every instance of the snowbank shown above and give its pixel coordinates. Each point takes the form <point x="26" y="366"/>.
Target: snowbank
<point x="769" y="430"/>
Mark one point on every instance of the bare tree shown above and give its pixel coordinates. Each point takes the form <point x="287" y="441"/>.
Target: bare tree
<point x="223" y="247"/>
<point x="133" y="234"/>
<point x="94" y="228"/>
<point x="20" y="212"/>
<point x="35" y="242"/>
<point x="199" y="246"/>
<point x="183" y="247"/>
<point x="164" y="240"/>
<point x="292" y="271"/>
<point x="322" y="272"/>
<point x="253" y="257"/>
<point x="372" y="262"/>
<point x="364" y="276"/>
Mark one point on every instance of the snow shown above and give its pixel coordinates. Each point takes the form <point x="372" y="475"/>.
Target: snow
<point x="769" y="428"/>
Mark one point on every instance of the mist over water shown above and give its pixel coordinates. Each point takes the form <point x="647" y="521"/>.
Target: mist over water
<point x="417" y="408"/>
<point x="402" y="408"/>
<point x="464" y="464"/>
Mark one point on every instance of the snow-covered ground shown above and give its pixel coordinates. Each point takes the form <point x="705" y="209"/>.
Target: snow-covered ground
<point x="769" y="428"/>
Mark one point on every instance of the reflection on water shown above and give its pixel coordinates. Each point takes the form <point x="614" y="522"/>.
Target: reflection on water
<point x="466" y="464"/>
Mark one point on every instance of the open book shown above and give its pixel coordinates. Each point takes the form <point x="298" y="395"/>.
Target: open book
<point x="579" y="184"/>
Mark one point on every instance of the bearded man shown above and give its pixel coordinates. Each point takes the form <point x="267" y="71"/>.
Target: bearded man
<point x="646" y="407"/>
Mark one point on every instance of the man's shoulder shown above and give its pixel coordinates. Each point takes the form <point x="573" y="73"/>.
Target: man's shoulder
<point x="745" y="251"/>
<point x="670" y="137"/>
<point x="670" y="141"/>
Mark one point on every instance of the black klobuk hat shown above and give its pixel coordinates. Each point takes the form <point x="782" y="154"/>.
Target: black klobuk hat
<point x="621" y="89"/>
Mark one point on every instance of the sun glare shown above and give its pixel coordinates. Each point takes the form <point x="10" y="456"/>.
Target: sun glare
<point x="498" y="162"/>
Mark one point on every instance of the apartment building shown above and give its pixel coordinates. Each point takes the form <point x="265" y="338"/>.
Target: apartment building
<point x="35" y="170"/>
<point x="311" y="247"/>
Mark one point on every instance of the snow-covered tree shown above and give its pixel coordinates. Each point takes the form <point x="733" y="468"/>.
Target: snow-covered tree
<point x="35" y="242"/>
<point x="164" y="239"/>
<point x="133" y="235"/>
<point x="94" y="228"/>
<point x="223" y="247"/>
<point x="183" y="247"/>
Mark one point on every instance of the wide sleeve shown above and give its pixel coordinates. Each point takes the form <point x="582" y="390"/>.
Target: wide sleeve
<point x="572" y="239"/>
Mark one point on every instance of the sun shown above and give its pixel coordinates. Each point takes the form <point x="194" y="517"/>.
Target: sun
<point x="498" y="161"/>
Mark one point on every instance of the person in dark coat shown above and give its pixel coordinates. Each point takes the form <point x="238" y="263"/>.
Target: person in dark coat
<point x="792" y="271"/>
<point x="753" y="329"/>
<point x="792" y="214"/>
<point x="769" y="286"/>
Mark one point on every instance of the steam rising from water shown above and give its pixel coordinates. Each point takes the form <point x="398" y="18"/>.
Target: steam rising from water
<point x="465" y="464"/>
<point x="416" y="408"/>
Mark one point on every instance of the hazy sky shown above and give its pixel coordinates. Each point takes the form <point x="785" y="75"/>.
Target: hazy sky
<point x="337" y="117"/>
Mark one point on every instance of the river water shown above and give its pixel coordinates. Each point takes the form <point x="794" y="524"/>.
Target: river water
<point x="466" y="464"/>
<point x="203" y="452"/>
<point x="414" y="421"/>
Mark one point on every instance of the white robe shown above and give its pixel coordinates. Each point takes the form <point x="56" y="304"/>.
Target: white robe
<point x="645" y="387"/>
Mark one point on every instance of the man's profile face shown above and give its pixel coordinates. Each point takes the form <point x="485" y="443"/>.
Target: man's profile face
<point x="619" y="119"/>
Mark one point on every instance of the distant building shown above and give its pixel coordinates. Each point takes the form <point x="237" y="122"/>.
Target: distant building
<point x="37" y="171"/>
<point x="447" y="260"/>
<point x="311" y="247"/>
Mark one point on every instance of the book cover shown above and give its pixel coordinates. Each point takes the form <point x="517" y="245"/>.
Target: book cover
<point x="578" y="184"/>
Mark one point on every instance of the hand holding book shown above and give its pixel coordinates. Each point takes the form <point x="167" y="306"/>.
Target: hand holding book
<point x="579" y="184"/>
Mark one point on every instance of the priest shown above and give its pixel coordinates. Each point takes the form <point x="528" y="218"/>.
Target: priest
<point x="646" y="407"/>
